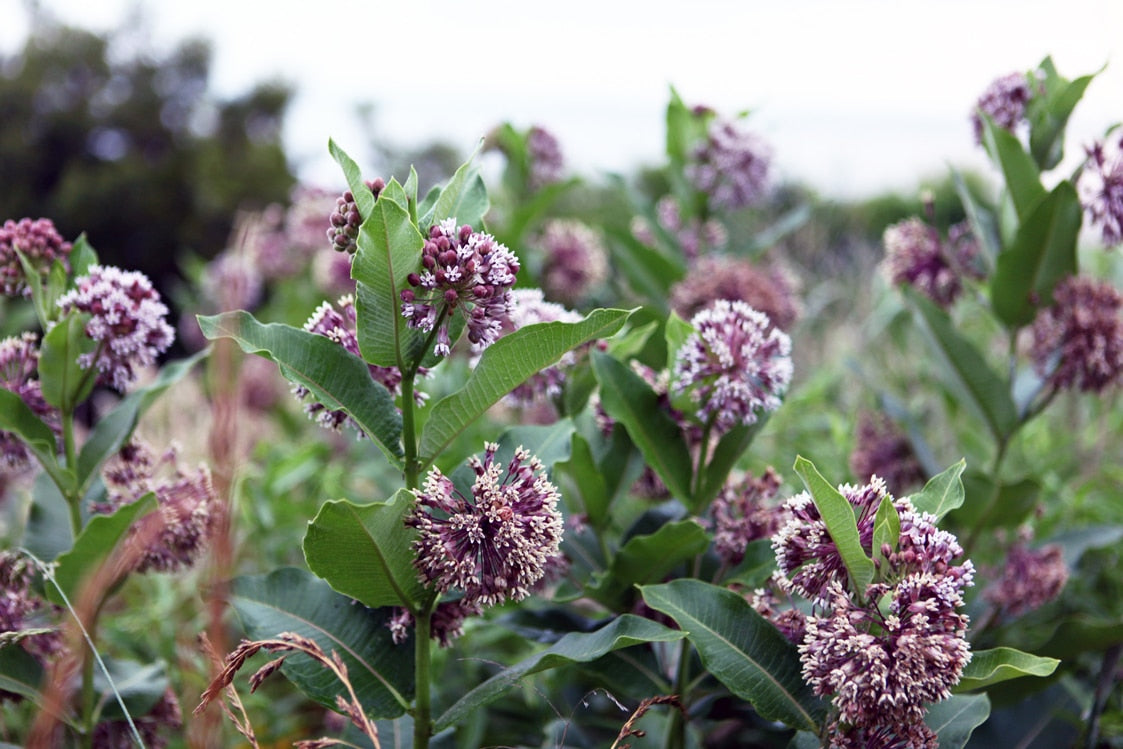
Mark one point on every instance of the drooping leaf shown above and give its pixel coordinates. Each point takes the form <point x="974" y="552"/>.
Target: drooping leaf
<point x="332" y="375"/>
<point x="943" y="492"/>
<point x="956" y="718"/>
<point x="1023" y="181"/>
<point x="506" y="364"/>
<point x="140" y="686"/>
<point x="365" y="551"/>
<point x="741" y="649"/>
<point x="631" y="402"/>
<point x="575" y="647"/>
<point x="838" y="514"/>
<point x="64" y="383"/>
<point x="992" y="666"/>
<point x="647" y="559"/>
<point x="1043" y="253"/>
<point x="291" y="600"/>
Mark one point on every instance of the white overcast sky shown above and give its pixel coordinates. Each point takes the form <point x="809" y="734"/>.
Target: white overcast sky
<point x="855" y="97"/>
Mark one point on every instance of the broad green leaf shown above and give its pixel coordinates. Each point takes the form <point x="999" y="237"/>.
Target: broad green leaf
<point x="1082" y="634"/>
<point x="21" y="673"/>
<point x="992" y="666"/>
<point x="741" y="649"/>
<point x="48" y="531"/>
<point x="984" y="224"/>
<point x="647" y="559"/>
<point x="732" y="445"/>
<point x="943" y="492"/>
<point x="631" y="402"/>
<point x="1048" y="114"/>
<point x="140" y="686"/>
<point x="955" y="718"/>
<point x="65" y="384"/>
<point x="114" y="429"/>
<point x="838" y="514"/>
<point x="505" y="364"/>
<point x="292" y="600"/>
<point x="1043" y="253"/>
<point x="576" y="647"/>
<point x="530" y="209"/>
<point x="82" y="256"/>
<point x="988" y="505"/>
<point x="333" y="375"/>
<point x="886" y="528"/>
<point x="984" y="390"/>
<point x="1023" y="181"/>
<point x="18" y="419"/>
<point x="676" y="331"/>
<point x="649" y="272"/>
<point x="94" y="545"/>
<point x="464" y="198"/>
<point x="550" y="443"/>
<point x="365" y="551"/>
<point x="582" y="469"/>
<point x="389" y="249"/>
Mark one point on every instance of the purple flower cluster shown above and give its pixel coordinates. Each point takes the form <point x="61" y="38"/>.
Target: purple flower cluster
<point x="694" y="237"/>
<point x="884" y="653"/>
<point x="345" y="219"/>
<point x="127" y="319"/>
<point x="41" y="245"/>
<point x="881" y="449"/>
<point x="19" y="363"/>
<point x="446" y="624"/>
<point x="916" y="254"/>
<point x="574" y="260"/>
<point x="187" y="505"/>
<point x="734" y="365"/>
<point x="282" y="240"/>
<point x="1029" y="580"/>
<point x="742" y="513"/>
<point x="1078" y="341"/>
<point x="544" y="155"/>
<point x="731" y="165"/>
<point x="1004" y="101"/>
<point x="496" y="544"/>
<point x="768" y="290"/>
<point x="22" y="609"/>
<point x="340" y="325"/>
<point x="232" y="280"/>
<point x="462" y="270"/>
<point x="1100" y="186"/>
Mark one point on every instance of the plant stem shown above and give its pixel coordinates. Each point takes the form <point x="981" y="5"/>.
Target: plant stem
<point x="992" y="501"/>
<point x="675" y="738"/>
<point x="69" y="445"/>
<point x="422" y="721"/>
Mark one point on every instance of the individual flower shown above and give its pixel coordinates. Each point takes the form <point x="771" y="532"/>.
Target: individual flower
<point x="1100" y="186"/>
<point x="340" y="325"/>
<point x="770" y="290"/>
<point x="19" y="363"/>
<point x="731" y="165"/>
<point x="154" y="727"/>
<point x="127" y="319"/>
<point x="496" y="543"/>
<point x="41" y="245"/>
<point x="1029" y="579"/>
<point x="574" y="260"/>
<point x="345" y="219"/>
<point x="187" y="505"/>
<point x="694" y="237"/>
<point x="743" y="513"/>
<point x="1004" y="101"/>
<point x="735" y="365"/>
<point x="916" y="255"/>
<point x="462" y="271"/>
<point x="544" y="156"/>
<point x="881" y="449"/>
<point x="1078" y="340"/>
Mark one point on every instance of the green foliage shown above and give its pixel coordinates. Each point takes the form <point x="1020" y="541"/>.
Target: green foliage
<point x="838" y="514"/>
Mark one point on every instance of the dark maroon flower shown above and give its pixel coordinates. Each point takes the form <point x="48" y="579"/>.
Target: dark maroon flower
<point x="1078" y="340"/>
<point x="1100" y="186"/>
<point x="446" y="624"/>
<point x="881" y="449"/>
<point x="1029" y="579"/>
<point x="345" y="219"/>
<point x="41" y="245"/>
<point x="743" y="513"/>
<point x="545" y="158"/>
<point x="712" y="277"/>
<point x="1004" y="101"/>
<point x="915" y="255"/>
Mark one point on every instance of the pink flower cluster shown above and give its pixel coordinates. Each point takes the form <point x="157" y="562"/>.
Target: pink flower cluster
<point x="1100" y="186"/>
<point x="1078" y="340"/>
<point x="731" y="166"/>
<point x="1004" y="101"/>
<point x="39" y="242"/>
<point x="743" y="513"/>
<point x="19" y="365"/>
<point x="574" y="260"/>
<point x="767" y="290"/>
<point x="916" y="254"/>
<point x="882" y="449"/>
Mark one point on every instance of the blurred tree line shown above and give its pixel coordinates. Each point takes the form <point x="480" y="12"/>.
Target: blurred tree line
<point x="105" y="136"/>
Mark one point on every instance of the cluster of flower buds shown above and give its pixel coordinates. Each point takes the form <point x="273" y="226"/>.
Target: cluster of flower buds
<point x="39" y="243"/>
<point x="345" y="219"/>
<point x="545" y="159"/>
<point x="916" y="254"/>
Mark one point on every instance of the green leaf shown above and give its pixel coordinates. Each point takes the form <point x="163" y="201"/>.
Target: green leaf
<point x="1082" y="634"/>
<point x="65" y="384"/>
<point x="838" y="514"/>
<point x="983" y="389"/>
<point x="955" y="718"/>
<point x="741" y="649"/>
<point x="649" y="272"/>
<point x="47" y="532"/>
<point x="1023" y="181"/>
<point x="886" y="528"/>
<point x="550" y="443"/>
<point x="140" y="685"/>
<point x="21" y="673"/>
<point x="647" y="559"/>
<point x="82" y="256"/>
<point x="505" y="364"/>
<point x="389" y="249"/>
<point x="632" y="403"/>
<point x="99" y="539"/>
<point x="464" y="198"/>
<point x="115" y="428"/>
<point x="333" y="375"/>
<point x="365" y="551"/>
<point x="990" y="505"/>
<point x="943" y="492"/>
<point x="291" y="600"/>
<point x="18" y="419"/>
<point x="576" y="647"/>
<point x="1043" y="253"/>
<point x="364" y="198"/>
<point x="1048" y="114"/>
<point x="984" y="224"/>
<point x="582" y="469"/>
<point x="996" y="665"/>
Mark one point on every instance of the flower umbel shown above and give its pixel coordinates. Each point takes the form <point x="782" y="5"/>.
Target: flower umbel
<point x="545" y="157"/>
<point x="19" y="360"/>
<point x="495" y="544"/>
<point x="462" y="270"/>
<point x="768" y="290"/>
<point x="731" y="166"/>
<point x="1100" y="186"/>
<point x="574" y="260"/>
<point x="41" y="245"/>
<point x="127" y="319"/>
<point x="735" y="365"/>
<point x="882" y="449"/>
<point x="1004" y="101"/>
<point x="1029" y="579"/>
<point x="916" y="255"/>
<point x="1078" y="341"/>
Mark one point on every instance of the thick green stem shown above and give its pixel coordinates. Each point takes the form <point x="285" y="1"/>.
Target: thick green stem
<point x="422" y="719"/>
<point x="69" y="445"/>
<point x="675" y="738"/>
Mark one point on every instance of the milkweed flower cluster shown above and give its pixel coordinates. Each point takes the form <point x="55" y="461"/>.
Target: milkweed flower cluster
<point x="1004" y="101"/>
<point x="731" y="165"/>
<point x="743" y="513"/>
<point x="345" y="219"/>
<point x="496" y="544"/>
<point x="39" y="242"/>
<point x="882" y="449"/>
<point x="574" y="260"/>
<point x="545" y="158"/>
<point x="735" y="365"/>
<point x="445" y="625"/>
<point x="694" y="237"/>
<point x="19" y="363"/>
<point x="1078" y="340"/>
<point x="1100" y="186"/>
<point x="1029" y="579"/>
<point x="881" y="654"/>
<point x="916" y="254"/>
<point x="341" y="326"/>
<point x="462" y="270"/>
<point x="187" y="505"/>
<point x="767" y="290"/>
<point x="22" y="609"/>
<point x="127" y="319"/>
